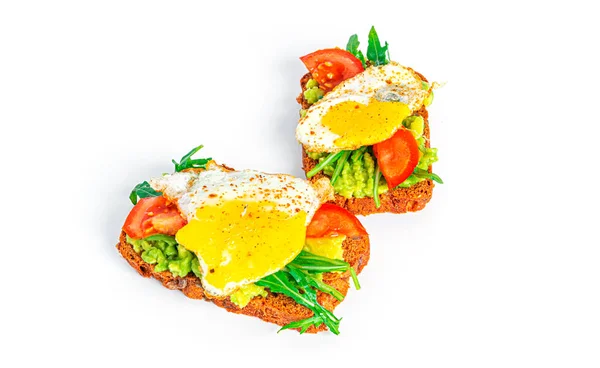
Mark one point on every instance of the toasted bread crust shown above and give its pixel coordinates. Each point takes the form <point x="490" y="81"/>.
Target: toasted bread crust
<point x="399" y="200"/>
<point x="275" y="308"/>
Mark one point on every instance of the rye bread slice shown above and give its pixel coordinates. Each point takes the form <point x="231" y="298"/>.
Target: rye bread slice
<point x="274" y="308"/>
<point x="398" y="200"/>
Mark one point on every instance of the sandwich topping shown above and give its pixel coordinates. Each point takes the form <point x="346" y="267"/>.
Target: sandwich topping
<point x="363" y="124"/>
<point x="240" y="242"/>
<point x="243" y="233"/>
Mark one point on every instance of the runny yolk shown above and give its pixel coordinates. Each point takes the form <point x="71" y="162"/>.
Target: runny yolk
<point x="363" y="125"/>
<point x="242" y="241"/>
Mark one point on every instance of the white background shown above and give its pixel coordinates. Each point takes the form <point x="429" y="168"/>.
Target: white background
<point x="500" y="269"/>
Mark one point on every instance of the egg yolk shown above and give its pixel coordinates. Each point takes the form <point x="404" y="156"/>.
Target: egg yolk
<point x="363" y="125"/>
<point x="239" y="241"/>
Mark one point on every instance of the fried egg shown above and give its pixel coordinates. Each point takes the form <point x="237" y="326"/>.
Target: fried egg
<point x="363" y="110"/>
<point x="242" y="225"/>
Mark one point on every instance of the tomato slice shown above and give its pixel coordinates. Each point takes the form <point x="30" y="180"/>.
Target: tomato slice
<point x="397" y="157"/>
<point x="329" y="67"/>
<point x="331" y="220"/>
<point x="153" y="215"/>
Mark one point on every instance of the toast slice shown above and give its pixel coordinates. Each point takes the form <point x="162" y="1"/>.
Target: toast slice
<point x="274" y="308"/>
<point x="399" y="200"/>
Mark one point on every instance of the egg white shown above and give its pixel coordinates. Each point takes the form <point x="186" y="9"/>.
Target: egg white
<point x="217" y="184"/>
<point x="193" y="189"/>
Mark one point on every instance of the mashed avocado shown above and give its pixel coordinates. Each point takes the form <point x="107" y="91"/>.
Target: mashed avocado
<point x="429" y="99"/>
<point x="243" y="295"/>
<point x="313" y="93"/>
<point x="357" y="177"/>
<point x="164" y="252"/>
<point x="416" y="125"/>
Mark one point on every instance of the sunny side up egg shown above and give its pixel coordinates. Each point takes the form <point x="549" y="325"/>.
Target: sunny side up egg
<point x="242" y="225"/>
<point x="363" y="110"/>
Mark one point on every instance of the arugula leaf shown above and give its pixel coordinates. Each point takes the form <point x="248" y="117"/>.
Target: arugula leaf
<point x="376" y="186"/>
<point x="162" y="237"/>
<point x="312" y="280"/>
<point x="303" y="324"/>
<point x="331" y="158"/>
<point x="281" y="282"/>
<point x="419" y="173"/>
<point x="377" y="54"/>
<point x="352" y="47"/>
<point x="359" y="153"/>
<point x="339" y="166"/>
<point x="311" y="294"/>
<point x="142" y="190"/>
<point x="186" y="161"/>
<point x="354" y="278"/>
<point x="298" y="281"/>
<point x="313" y="263"/>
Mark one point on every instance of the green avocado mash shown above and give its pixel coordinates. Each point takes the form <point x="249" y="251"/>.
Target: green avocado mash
<point x="313" y="93"/>
<point x="356" y="179"/>
<point x="243" y="295"/>
<point x="416" y="125"/>
<point x="164" y="252"/>
<point x="429" y="99"/>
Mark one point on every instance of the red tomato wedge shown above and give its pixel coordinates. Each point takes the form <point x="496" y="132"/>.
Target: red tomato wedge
<point x="331" y="220"/>
<point x="397" y="157"/>
<point x="153" y="215"/>
<point x="329" y="67"/>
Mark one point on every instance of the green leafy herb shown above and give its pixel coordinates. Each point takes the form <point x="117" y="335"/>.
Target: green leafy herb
<point x="195" y="266"/>
<point x="304" y="283"/>
<point x="299" y="281"/>
<point x="187" y="162"/>
<point x="339" y="166"/>
<point x="303" y="324"/>
<point x="331" y="158"/>
<point x="419" y="173"/>
<point x="376" y="186"/>
<point x="142" y="190"/>
<point x="162" y="237"/>
<point x="359" y="153"/>
<point x="282" y="282"/>
<point x="314" y="281"/>
<point x="352" y="47"/>
<point x="316" y="264"/>
<point x="377" y="54"/>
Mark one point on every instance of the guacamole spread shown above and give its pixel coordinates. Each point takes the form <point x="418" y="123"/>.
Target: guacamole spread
<point x="166" y="254"/>
<point x="242" y="296"/>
